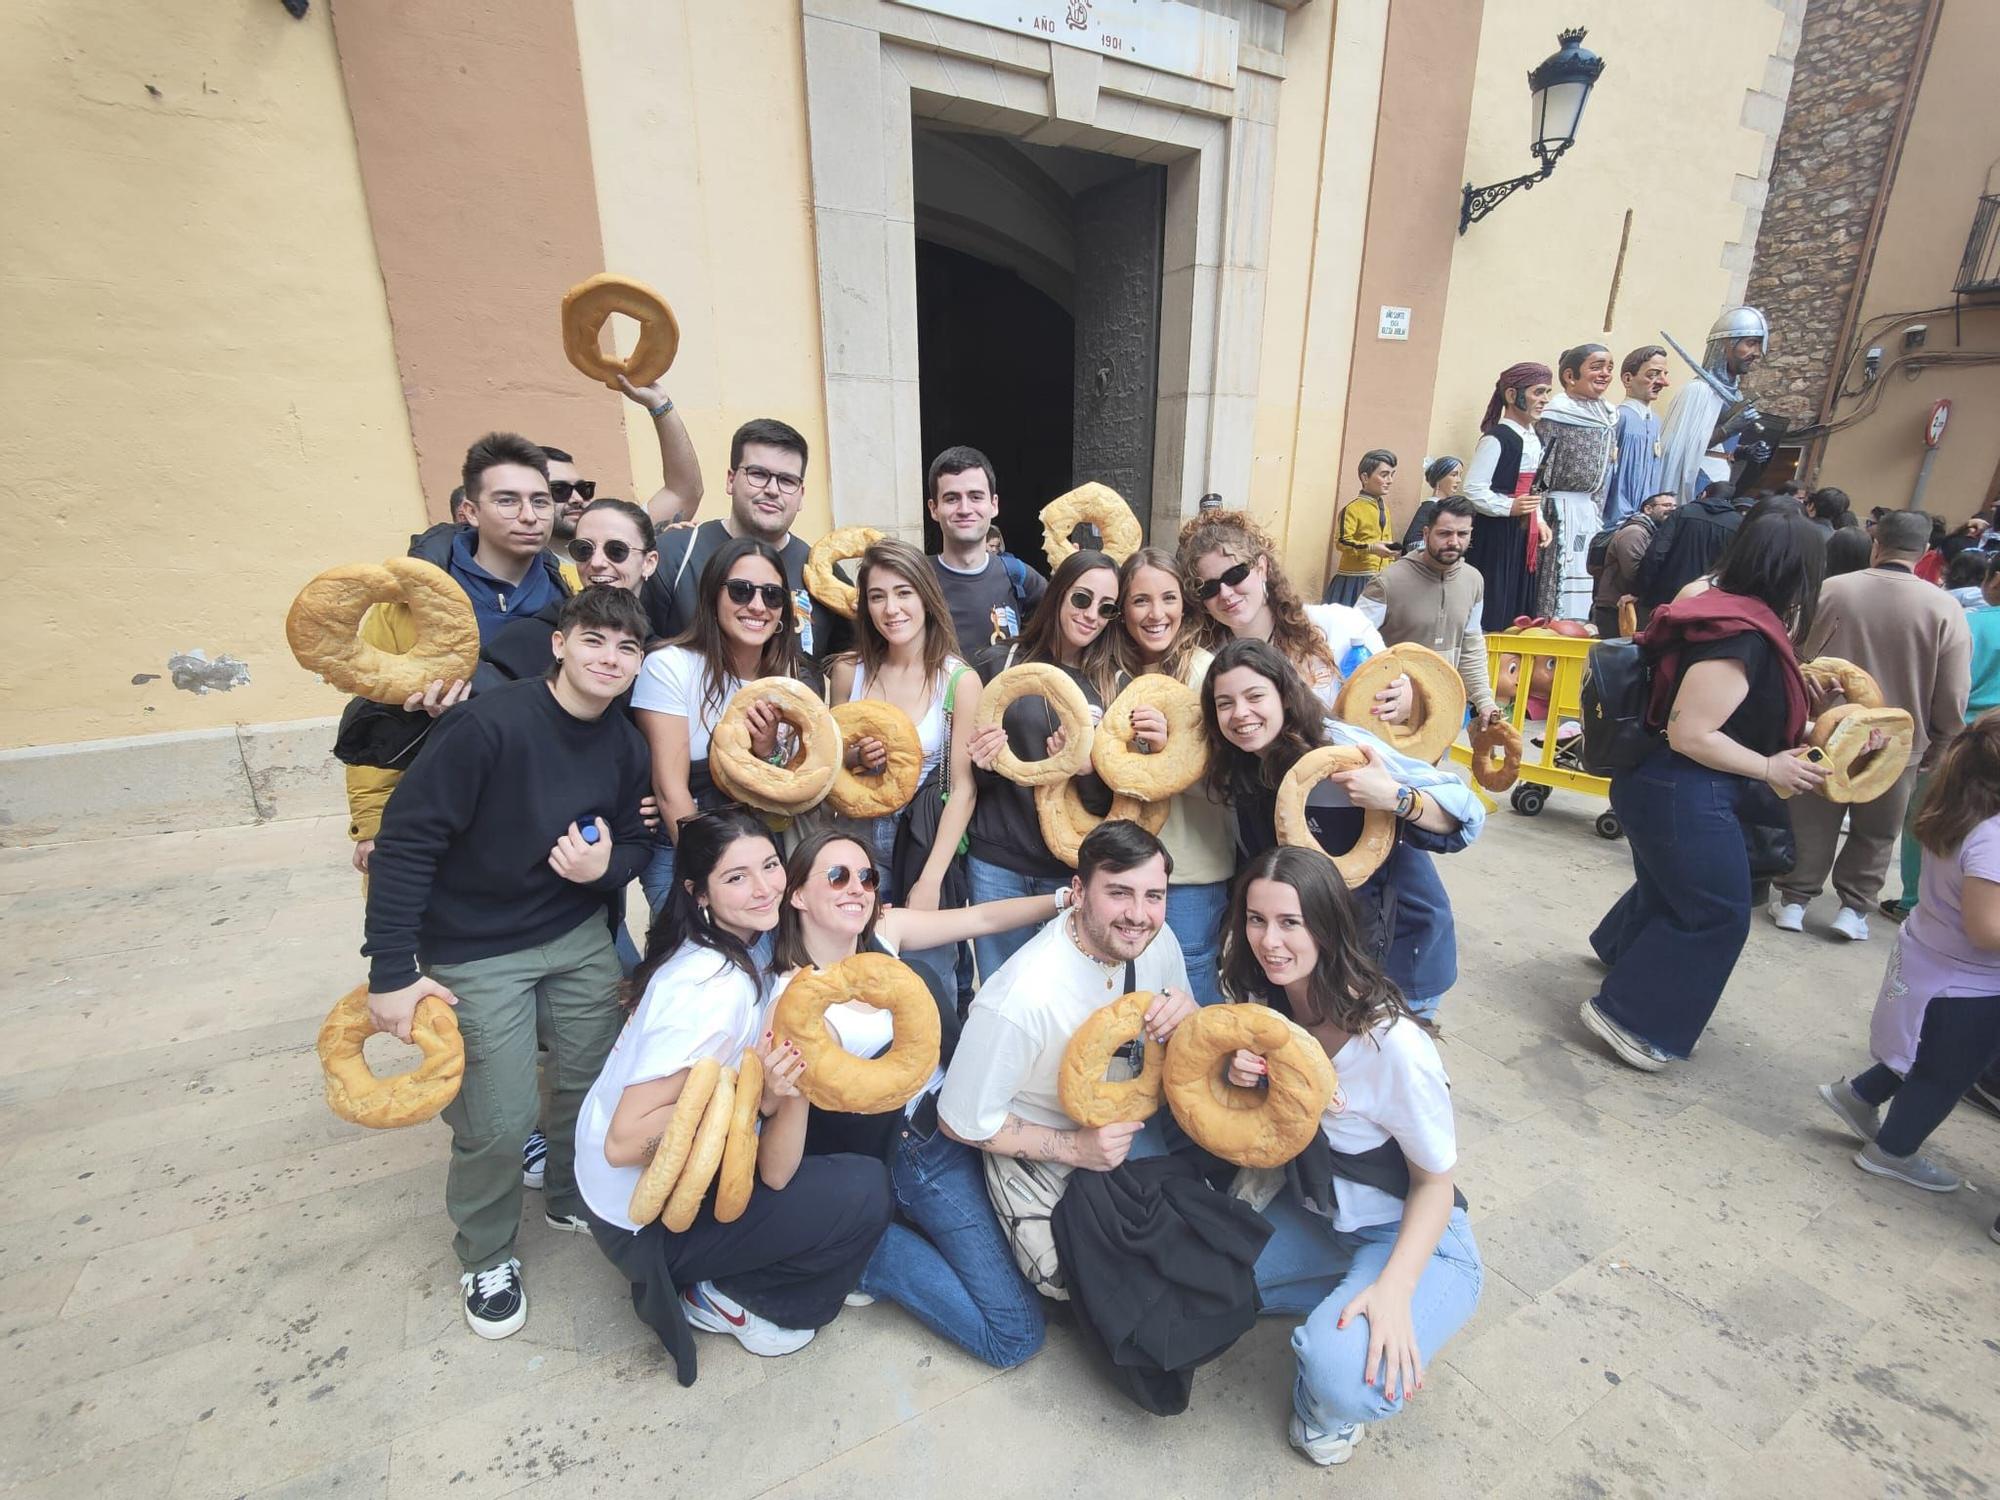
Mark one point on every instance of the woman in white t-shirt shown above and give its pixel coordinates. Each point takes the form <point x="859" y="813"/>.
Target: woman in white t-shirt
<point x="782" y="1269"/>
<point x="1231" y="566"/>
<point x="953" y="1269"/>
<point x="1382" y="1264"/>
<point x="745" y="630"/>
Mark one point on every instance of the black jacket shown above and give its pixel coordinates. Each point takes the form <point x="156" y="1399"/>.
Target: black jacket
<point x="1686" y="547"/>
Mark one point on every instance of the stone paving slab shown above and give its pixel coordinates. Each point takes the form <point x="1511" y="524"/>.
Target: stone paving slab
<point x="211" y="1287"/>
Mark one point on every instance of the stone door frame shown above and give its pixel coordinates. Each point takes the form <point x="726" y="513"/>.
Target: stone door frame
<point x="873" y="65"/>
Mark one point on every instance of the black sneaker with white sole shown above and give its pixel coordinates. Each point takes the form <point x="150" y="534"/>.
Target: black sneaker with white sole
<point x="567" y="1223"/>
<point x="496" y="1299"/>
<point x="534" y="1153"/>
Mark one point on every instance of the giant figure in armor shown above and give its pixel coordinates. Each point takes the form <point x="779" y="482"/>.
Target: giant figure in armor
<point x="1712" y="412"/>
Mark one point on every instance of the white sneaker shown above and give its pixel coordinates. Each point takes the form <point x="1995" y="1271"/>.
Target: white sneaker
<point x="1851" y="925"/>
<point x="712" y="1312"/>
<point x="1325" y="1448"/>
<point x="859" y="1299"/>
<point x="1787" y="916"/>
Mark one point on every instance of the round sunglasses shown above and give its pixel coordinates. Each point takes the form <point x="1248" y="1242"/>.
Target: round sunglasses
<point x="582" y="550"/>
<point x="838" y="876"/>
<point x="1107" y="609"/>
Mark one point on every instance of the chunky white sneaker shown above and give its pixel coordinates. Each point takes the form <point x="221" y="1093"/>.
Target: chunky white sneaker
<point x="1787" y="916"/>
<point x="1325" y="1448"/>
<point x="1851" y="925"/>
<point x="1917" y="1171"/>
<point x="1859" y="1116"/>
<point x="496" y="1299"/>
<point x="712" y="1312"/>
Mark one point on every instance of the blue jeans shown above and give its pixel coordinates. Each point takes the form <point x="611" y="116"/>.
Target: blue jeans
<point x="1672" y="940"/>
<point x="1309" y="1267"/>
<point x="657" y="879"/>
<point x="957" y="1275"/>
<point x="1194" y="912"/>
<point x="998" y="883"/>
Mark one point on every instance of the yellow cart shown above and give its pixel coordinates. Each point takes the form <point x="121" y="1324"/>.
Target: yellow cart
<point x="1545" y="767"/>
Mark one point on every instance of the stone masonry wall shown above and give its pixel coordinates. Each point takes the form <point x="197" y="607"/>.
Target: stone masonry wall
<point x="1852" y="67"/>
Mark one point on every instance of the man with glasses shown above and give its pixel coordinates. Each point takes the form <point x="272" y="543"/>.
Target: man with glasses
<point x="766" y="486"/>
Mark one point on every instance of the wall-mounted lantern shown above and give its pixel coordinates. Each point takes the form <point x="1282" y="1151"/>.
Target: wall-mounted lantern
<point x="1559" y="89"/>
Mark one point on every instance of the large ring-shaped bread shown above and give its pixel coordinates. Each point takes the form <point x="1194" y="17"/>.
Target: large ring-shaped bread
<point x="877" y="794"/>
<point x="587" y="305"/>
<point x="354" y="1092"/>
<point x="1065" y="822"/>
<point x="738" y="1177"/>
<point x="1831" y="673"/>
<point x="1183" y="761"/>
<point x="1264" y="1127"/>
<point x="805" y="780"/>
<point x="827" y="586"/>
<point x="1087" y="1096"/>
<point x="1437" y="709"/>
<point x="1487" y="738"/>
<point x="1378" y="828"/>
<point x="704" y="1156"/>
<point x="649" y="1197"/>
<point x="1100" y="505"/>
<point x="1037" y="679"/>
<point x="1852" y="774"/>
<point x="324" y="619"/>
<point x="834" y="1077"/>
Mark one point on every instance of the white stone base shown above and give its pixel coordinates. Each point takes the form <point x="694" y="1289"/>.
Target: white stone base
<point x="160" y="783"/>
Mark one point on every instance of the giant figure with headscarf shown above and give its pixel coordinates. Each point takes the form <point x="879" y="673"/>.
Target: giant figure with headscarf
<point x="1713" y="411"/>
<point x="1509" y="534"/>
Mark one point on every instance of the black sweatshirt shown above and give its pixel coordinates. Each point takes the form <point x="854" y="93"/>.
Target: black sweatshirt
<point x="461" y="867"/>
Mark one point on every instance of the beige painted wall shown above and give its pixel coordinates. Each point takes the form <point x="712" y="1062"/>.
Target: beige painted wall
<point x="197" y="375"/>
<point x="1954" y="142"/>
<point x="698" y="143"/>
<point x="1663" y="135"/>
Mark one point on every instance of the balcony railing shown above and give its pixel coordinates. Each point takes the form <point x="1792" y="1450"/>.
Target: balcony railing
<point x="1980" y="270"/>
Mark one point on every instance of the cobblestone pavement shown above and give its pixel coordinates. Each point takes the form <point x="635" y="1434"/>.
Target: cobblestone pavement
<point x="211" y="1286"/>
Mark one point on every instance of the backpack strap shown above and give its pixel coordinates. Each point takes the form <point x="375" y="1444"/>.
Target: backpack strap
<point x="1017" y="575"/>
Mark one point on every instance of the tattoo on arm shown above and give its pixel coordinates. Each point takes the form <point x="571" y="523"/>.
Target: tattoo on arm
<point x="651" y="1148"/>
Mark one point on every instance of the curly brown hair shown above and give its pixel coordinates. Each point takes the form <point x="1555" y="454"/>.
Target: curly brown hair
<point x="1235" y="535"/>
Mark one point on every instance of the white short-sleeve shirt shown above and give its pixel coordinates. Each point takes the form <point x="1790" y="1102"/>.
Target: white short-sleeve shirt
<point x="1392" y="1086"/>
<point x="1010" y="1054"/>
<point x="697" y="1004"/>
<point x="670" y="682"/>
<point x="1344" y="627"/>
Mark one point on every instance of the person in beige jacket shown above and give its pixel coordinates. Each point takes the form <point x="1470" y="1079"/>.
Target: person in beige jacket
<point x="1911" y="637"/>
<point x="1434" y="597"/>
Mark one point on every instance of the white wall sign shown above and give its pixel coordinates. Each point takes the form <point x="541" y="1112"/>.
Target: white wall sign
<point x="1395" y="323"/>
<point x="1161" y="34"/>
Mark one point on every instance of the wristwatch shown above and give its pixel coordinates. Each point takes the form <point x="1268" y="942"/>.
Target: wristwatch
<point x="1406" y="802"/>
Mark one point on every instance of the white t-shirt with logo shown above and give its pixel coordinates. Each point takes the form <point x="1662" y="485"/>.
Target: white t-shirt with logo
<point x="697" y="1004"/>
<point x="670" y="682"/>
<point x="1010" y="1054"/>
<point x="1392" y="1086"/>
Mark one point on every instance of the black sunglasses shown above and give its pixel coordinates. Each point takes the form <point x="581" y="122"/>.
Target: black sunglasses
<point x="560" y="488"/>
<point x="1107" y="609"/>
<point x="837" y="876"/>
<point x="582" y="550"/>
<point x="742" y="591"/>
<point x="1208" y="588"/>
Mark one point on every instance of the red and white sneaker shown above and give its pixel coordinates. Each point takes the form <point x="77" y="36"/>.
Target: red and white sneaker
<point x="712" y="1312"/>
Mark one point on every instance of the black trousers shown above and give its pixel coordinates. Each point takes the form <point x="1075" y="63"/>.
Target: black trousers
<point x="1959" y="1040"/>
<point x="792" y="1257"/>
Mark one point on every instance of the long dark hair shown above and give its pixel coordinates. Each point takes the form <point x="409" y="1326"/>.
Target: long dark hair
<point x="1780" y="558"/>
<point x="780" y="656"/>
<point x="788" y="948"/>
<point x="1232" y="771"/>
<point x="702" y="843"/>
<point x="1346" y="988"/>
<point x="1041" y="637"/>
<point x="1964" y="791"/>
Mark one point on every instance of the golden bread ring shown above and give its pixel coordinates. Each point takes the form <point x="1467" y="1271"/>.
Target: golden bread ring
<point x="324" y="619"/>
<point x="1264" y="1127"/>
<point x="649" y="1197"/>
<point x="791" y="788"/>
<point x="1852" y="774"/>
<point x="1505" y="738"/>
<point x="1087" y="1096"/>
<point x="354" y="1092"/>
<point x="1172" y="770"/>
<point x="1066" y="822"/>
<point x="1437" y="711"/>
<point x="587" y="305"/>
<point x="827" y="586"/>
<point x="1378" y="828"/>
<point x="1104" y="508"/>
<point x="1072" y="710"/>
<point x="734" y="1183"/>
<point x="704" y="1156"/>
<point x="834" y="1077"/>
<point x="1830" y="674"/>
<point x="877" y="794"/>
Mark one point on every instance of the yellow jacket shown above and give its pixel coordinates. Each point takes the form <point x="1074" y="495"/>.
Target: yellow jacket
<point x="389" y="627"/>
<point x="1363" y="520"/>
